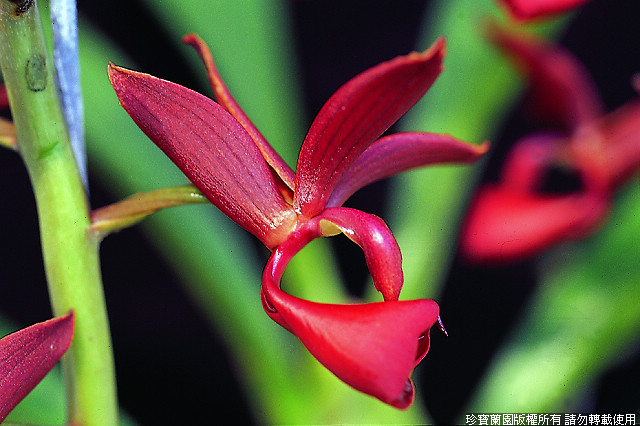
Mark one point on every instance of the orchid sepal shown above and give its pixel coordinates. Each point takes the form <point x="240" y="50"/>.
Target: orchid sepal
<point x="211" y="147"/>
<point x="609" y="147"/>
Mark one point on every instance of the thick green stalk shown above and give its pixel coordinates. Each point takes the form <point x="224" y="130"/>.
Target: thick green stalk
<point x="70" y="252"/>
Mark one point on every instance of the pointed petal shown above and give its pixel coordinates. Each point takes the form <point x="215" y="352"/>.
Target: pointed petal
<point x="505" y="225"/>
<point x="525" y="10"/>
<point x="223" y="96"/>
<point x="561" y="89"/>
<point x="372" y="347"/>
<point x="27" y="355"/>
<point x="398" y="153"/>
<point x="380" y="248"/>
<point x="210" y="147"/>
<point x="356" y="115"/>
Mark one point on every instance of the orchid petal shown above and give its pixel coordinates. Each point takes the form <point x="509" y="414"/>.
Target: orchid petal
<point x="505" y="224"/>
<point x="525" y="10"/>
<point x="210" y="147"/>
<point x="224" y="97"/>
<point x="372" y="347"/>
<point x="27" y="355"/>
<point x="355" y="116"/>
<point x="398" y="153"/>
<point x="561" y="88"/>
<point x="381" y="251"/>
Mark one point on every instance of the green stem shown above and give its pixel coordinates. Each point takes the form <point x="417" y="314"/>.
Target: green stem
<point x="70" y="252"/>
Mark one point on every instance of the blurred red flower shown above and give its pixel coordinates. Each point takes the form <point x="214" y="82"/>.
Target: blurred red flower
<point x="516" y="218"/>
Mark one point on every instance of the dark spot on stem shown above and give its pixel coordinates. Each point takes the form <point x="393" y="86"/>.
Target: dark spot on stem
<point x="22" y="6"/>
<point x="35" y="73"/>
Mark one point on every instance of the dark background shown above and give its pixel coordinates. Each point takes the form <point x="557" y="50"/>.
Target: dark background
<point x="335" y="41"/>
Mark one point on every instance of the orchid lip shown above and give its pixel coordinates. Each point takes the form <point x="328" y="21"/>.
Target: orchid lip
<point x="353" y="341"/>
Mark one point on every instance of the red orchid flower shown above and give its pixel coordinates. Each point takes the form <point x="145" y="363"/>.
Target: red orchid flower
<point x="27" y="355"/>
<point x="226" y="157"/>
<point x="514" y="219"/>
<point x="525" y="10"/>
